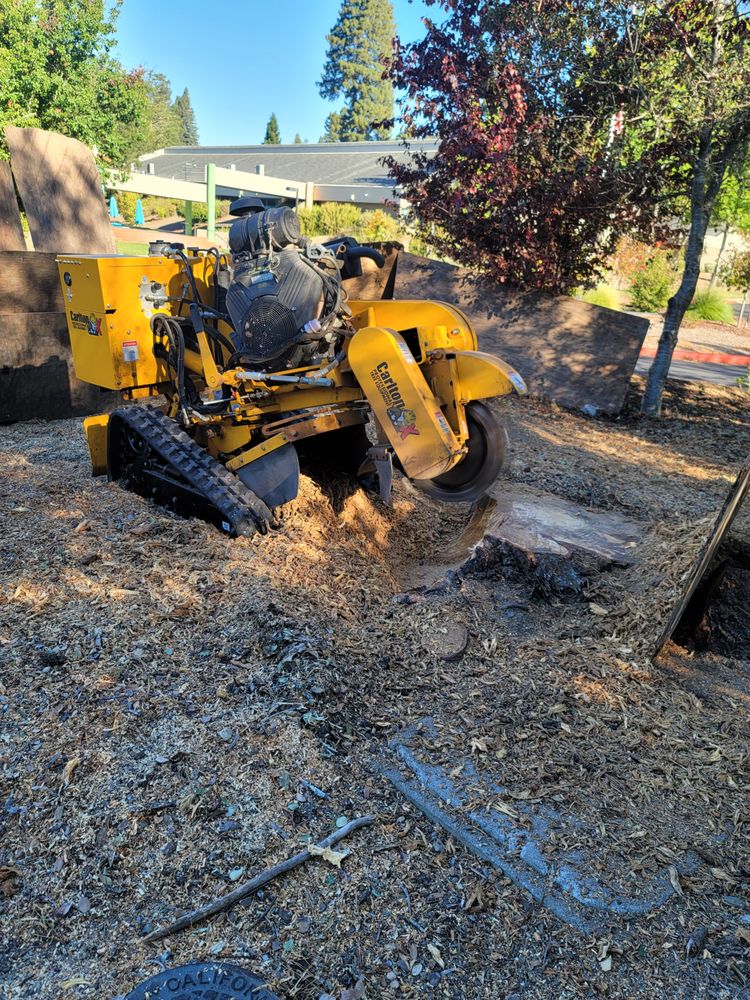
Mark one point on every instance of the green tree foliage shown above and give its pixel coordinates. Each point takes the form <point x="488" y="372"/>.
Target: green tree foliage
<point x="693" y="72"/>
<point x="297" y="139"/>
<point x="186" y="114"/>
<point x="333" y="128"/>
<point x="358" y="45"/>
<point x="736" y="272"/>
<point x="57" y="73"/>
<point x="273" y="135"/>
<point x="160" y="125"/>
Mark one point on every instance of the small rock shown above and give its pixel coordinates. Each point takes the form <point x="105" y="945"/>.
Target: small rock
<point x="227" y="825"/>
<point x="226" y="734"/>
<point x="236" y="874"/>
<point x="696" y="941"/>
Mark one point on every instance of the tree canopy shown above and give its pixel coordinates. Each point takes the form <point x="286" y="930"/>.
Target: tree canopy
<point x="57" y="73"/>
<point x="562" y="127"/>
<point x="188" y="125"/>
<point x="359" y="43"/>
<point x="273" y="135"/>
<point x="530" y="181"/>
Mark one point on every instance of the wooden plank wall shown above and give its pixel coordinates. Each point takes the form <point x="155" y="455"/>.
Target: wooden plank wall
<point x="11" y="233"/>
<point x="37" y="380"/>
<point x="568" y="351"/>
<point x="61" y="192"/>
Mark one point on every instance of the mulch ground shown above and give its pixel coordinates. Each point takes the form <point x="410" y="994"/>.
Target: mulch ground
<point x="180" y="710"/>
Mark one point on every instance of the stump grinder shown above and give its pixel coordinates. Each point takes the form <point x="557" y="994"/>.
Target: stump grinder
<point x="254" y="359"/>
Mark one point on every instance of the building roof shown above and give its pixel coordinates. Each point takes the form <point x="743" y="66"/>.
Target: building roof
<point x="320" y="162"/>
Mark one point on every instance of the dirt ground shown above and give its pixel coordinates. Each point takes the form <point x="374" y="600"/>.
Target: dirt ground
<point x="179" y="710"/>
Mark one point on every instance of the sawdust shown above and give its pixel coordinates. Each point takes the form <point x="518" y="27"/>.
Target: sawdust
<point x="225" y="701"/>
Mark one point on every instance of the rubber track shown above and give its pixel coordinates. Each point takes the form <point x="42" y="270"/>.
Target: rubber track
<point x="237" y="505"/>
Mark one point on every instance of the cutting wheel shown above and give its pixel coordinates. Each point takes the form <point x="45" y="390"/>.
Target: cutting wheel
<point x="478" y="470"/>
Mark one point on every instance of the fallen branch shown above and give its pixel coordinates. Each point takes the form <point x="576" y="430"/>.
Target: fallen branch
<point x="225" y="902"/>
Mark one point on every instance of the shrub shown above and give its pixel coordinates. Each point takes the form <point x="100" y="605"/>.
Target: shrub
<point x="335" y="219"/>
<point x="629" y="258"/>
<point x="377" y="226"/>
<point x="126" y="203"/>
<point x="652" y="286"/>
<point x="711" y="306"/>
<point x="602" y="296"/>
<point x="159" y="208"/>
<point x="200" y="210"/>
<point x="330" y="219"/>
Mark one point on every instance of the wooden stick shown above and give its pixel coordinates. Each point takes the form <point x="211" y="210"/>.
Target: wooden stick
<point x="225" y="902"/>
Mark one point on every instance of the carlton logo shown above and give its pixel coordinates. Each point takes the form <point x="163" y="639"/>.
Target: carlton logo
<point x="91" y="324"/>
<point x="404" y="420"/>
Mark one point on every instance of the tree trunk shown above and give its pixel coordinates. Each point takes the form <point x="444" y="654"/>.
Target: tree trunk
<point x="704" y="189"/>
<point x="722" y="248"/>
<point x="742" y="307"/>
<point x="702" y="195"/>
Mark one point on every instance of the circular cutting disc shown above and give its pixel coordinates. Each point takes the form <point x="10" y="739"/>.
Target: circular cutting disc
<point x="480" y="467"/>
<point x="202" y="981"/>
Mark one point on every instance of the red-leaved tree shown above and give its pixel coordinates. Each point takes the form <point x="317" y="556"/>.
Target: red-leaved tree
<point x="562" y="126"/>
<point x="529" y="182"/>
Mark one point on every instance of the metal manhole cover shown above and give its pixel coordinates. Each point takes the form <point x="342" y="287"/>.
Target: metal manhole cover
<point x="202" y="981"/>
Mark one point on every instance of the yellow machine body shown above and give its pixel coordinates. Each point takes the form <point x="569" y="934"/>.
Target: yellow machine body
<point x="108" y="303"/>
<point x="412" y="365"/>
<point x="403" y="402"/>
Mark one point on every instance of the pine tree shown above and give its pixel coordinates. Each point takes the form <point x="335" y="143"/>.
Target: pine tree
<point x="357" y="44"/>
<point x="184" y="110"/>
<point x="273" y="135"/>
<point x="297" y="139"/>
<point x="333" y="128"/>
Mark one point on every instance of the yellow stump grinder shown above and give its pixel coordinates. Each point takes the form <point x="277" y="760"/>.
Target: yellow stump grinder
<point x="256" y="357"/>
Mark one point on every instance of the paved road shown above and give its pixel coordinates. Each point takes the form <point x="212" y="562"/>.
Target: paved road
<point x="691" y="371"/>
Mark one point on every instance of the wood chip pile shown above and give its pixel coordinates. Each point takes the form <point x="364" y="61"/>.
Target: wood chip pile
<point x="179" y="711"/>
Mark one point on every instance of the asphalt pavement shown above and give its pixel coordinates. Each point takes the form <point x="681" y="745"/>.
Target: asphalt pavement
<point x="698" y="371"/>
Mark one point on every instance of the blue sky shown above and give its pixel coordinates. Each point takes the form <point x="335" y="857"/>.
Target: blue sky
<point x="243" y="59"/>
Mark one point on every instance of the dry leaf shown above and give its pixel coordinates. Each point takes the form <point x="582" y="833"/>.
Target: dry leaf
<point x="674" y="878"/>
<point x="435" y="952"/>
<point x="69" y="769"/>
<point x="597" y="609"/>
<point x="328" y="854"/>
<point x="9" y="880"/>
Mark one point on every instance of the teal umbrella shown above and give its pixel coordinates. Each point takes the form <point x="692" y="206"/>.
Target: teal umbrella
<point x="114" y="211"/>
<point x="139" y="219"/>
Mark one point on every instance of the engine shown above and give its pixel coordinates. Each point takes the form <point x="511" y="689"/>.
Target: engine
<point x="285" y="294"/>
